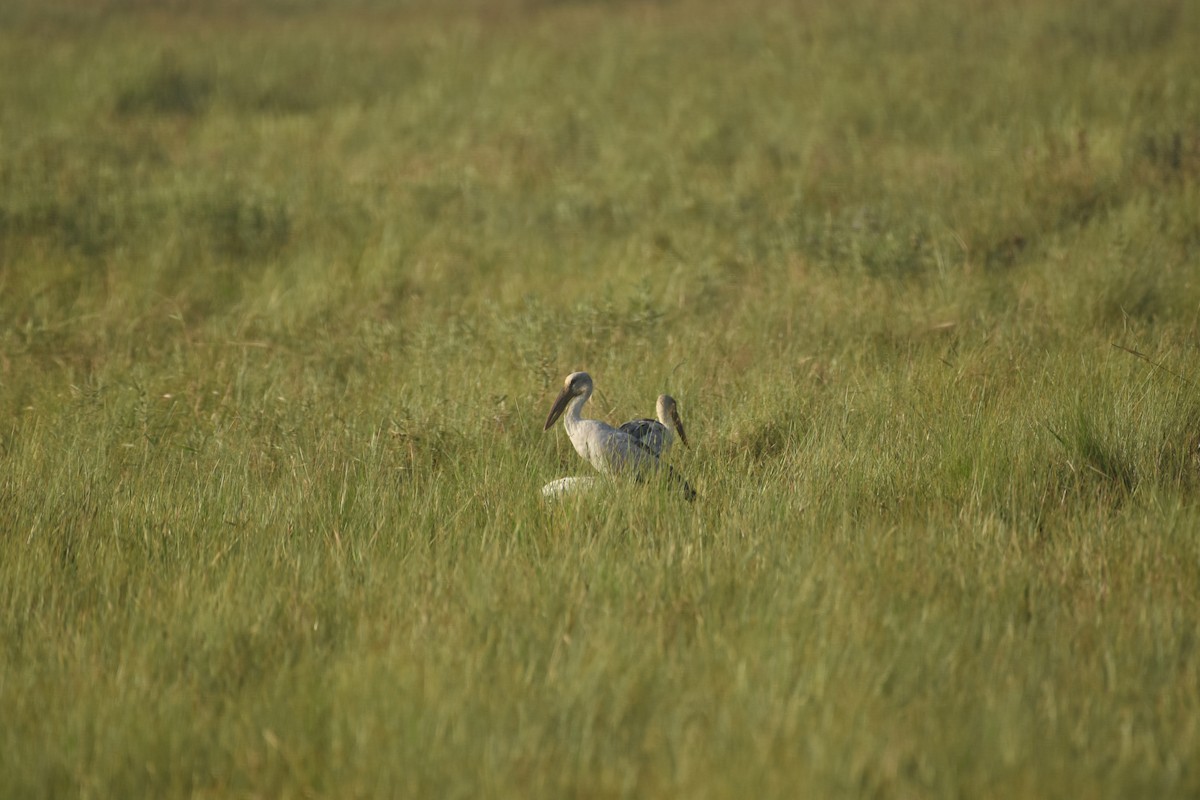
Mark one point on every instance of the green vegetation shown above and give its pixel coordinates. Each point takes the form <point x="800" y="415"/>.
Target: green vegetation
<point x="287" y="288"/>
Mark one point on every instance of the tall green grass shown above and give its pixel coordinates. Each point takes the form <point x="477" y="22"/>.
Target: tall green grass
<point x="286" y="291"/>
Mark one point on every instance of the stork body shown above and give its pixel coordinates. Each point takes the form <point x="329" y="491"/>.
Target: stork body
<point x="610" y="450"/>
<point x="606" y="448"/>
<point x="658" y="435"/>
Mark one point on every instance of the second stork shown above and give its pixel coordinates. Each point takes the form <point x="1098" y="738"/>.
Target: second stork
<point x="659" y="434"/>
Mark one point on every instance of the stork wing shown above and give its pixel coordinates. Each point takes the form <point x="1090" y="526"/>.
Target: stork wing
<point x="649" y="433"/>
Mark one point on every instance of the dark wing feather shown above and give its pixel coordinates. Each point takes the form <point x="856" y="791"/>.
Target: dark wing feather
<point x="640" y="428"/>
<point x="664" y="471"/>
<point x="689" y="493"/>
<point x="644" y="432"/>
<point x="649" y="433"/>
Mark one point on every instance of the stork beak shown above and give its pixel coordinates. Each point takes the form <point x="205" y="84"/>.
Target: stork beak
<point x="560" y="404"/>
<point x="679" y="427"/>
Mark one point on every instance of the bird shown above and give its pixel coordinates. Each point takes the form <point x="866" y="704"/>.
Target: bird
<point x="608" y="449"/>
<point x="558" y="489"/>
<point x="658" y="434"/>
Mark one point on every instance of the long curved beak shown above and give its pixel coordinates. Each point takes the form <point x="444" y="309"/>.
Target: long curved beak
<point x="679" y="427"/>
<point x="560" y="405"/>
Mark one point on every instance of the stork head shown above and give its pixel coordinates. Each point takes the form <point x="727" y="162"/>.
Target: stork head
<point x="576" y="384"/>
<point x="667" y="410"/>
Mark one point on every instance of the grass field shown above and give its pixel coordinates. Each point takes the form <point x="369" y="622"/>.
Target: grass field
<point x="286" y="291"/>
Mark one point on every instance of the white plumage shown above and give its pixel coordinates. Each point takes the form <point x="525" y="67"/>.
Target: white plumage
<point x="608" y="449"/>
<point x="557" y="489"/>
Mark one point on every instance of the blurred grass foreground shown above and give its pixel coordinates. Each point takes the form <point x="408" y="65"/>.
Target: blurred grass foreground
<point x="287" y="288"/>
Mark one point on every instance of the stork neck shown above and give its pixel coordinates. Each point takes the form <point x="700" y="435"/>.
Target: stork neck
<point x="575" y="407"/>
<point x="574" y="413"/>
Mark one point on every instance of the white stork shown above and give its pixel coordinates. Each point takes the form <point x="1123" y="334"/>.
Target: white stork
<point x="659" y="434"/>
<point x="606" y="448"/>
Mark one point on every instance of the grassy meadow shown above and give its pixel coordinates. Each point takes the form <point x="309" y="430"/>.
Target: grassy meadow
<point x="287" y="288"/>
